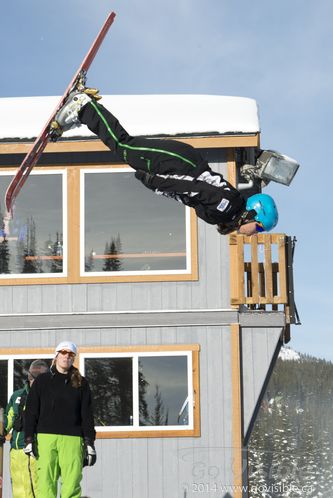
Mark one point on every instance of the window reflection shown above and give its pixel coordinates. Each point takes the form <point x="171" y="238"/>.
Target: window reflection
<point x="164" y="390"/>
<point x="110" y="380"/>
<point x="128" y="228"/>
<point x="161" y="394"/>
<point x="34" y="243"/>
<point x="3" y="382"/>
<point x="21" y="367"/>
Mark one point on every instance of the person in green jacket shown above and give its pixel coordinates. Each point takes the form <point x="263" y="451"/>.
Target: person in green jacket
<point x="22" y="469"/>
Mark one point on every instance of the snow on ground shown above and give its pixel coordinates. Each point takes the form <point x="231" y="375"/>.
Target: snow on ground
<point x="25" y="117"/>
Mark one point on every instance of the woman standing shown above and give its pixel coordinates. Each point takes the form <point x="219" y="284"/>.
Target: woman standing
<point x="59" y="426"/>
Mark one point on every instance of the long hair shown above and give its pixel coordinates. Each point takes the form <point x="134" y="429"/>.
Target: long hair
<point x="75" y="377"/>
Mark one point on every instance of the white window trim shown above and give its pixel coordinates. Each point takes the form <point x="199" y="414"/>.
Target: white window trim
<point x="135" y="356"/>
<point x="83" y="273"/>
<point x="64" y="273"/>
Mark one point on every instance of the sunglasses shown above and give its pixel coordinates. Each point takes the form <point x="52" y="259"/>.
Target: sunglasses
<point x="64" y="353"/>
<point x="259" y="227"/>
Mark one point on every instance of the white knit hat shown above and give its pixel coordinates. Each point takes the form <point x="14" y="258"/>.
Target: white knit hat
<point x="68" y="346"/>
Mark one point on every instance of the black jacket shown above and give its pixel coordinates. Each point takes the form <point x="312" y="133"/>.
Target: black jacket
<point x="214" y="199"/>
<point x="54" y="406"/>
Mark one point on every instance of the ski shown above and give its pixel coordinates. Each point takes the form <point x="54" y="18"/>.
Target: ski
<point x="41" y="141"/>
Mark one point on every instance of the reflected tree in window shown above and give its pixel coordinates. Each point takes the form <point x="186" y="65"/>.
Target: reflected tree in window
<point x="4" y="248"/>
<point x="162" y="384"/>
<point x="165" y="390"/>
<point x="90" y="261"/>
<point x="112" y="263"/>
<point x="160" y="415"/>
<point x="40" y="206"/>
<point x="21" y="368"/>
<point x="143" y="406"/>
<point x="3" y="383"/>
<point x="110" y="381"/>
<point x="55" y="250"/>
<point x="153" y="230"/>
<point x="29" y="253"/>
<point x="4" y="256"/>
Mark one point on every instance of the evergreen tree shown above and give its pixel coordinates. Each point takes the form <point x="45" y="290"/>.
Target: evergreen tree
<point x="290" y="450"/>
<point x="90" y="262"/>
<point x="30" y="263"/>
<point x="111" y="386"/>
<point x="4" y="248"/>
<point x="159" y="417"/>
<point x="57" y="250"/>
<point x="112" y="249"/>
<point x="4" y="256"/>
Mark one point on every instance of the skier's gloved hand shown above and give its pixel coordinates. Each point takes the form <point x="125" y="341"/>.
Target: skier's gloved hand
<point x="89" y="456"/>
<point x="30" y="449"/>
<point x="2" y="439"/>
<point x="145" y="178"/>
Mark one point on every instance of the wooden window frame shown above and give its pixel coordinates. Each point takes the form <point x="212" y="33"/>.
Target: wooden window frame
<point x="193" y="349"/>
<point x="72" y="227"/>
<point x="164" y="275"/>
<point x="19" y="279"/>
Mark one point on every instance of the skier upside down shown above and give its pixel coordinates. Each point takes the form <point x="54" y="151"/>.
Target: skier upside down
<point x="170" y="168"/>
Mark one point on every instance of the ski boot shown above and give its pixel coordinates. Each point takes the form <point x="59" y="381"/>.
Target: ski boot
<point x="68" y="116"/>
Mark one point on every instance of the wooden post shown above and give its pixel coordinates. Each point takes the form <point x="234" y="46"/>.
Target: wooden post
<point x="254" y="270"/>
<point x="237" y="277"/>
<point x="282" y="268"/>
<point x="268" y="268"/>
<point x="237" y="418"/>
<point x="1" y="450"/>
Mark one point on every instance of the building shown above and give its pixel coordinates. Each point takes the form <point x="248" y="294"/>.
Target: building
<point x="178" y="328"/>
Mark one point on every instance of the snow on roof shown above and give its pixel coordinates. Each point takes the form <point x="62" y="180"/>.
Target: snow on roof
<point x="24" y="117"/>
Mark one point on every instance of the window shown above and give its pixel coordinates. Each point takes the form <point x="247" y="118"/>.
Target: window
<point x="125" y="229"/>
<point x="36" y="245"/>
<point x="14" y="371"/>
<point x="147" y="392"/>
<point x="4" y="382"/>
<point x="117" y="230"/>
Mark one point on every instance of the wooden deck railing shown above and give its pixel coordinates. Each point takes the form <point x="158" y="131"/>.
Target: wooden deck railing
<point x="259" y="271"/>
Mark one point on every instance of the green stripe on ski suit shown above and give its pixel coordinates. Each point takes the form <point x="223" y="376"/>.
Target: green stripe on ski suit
<point x="130" y="147"/>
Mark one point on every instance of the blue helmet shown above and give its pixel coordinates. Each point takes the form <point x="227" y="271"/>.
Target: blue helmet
<point x="264" y="206"/>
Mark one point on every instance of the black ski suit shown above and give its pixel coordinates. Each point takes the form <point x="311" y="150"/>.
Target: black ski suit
<point x="168" y="167"/>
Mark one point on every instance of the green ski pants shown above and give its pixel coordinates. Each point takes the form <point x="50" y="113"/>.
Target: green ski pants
<point x="22" y="474"/>
<point x="59" y="456"/>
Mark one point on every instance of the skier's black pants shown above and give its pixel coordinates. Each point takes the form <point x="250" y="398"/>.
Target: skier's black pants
<point x="168" y="157"/>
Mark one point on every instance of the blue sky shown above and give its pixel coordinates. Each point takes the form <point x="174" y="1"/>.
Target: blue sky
<point x="279" y="53"/>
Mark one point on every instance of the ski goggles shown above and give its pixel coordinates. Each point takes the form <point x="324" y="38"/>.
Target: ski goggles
<point x="63" y="352"/>
<point x="259" y="227"/>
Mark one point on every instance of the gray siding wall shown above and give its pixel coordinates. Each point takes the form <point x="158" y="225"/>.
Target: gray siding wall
<point x="159" y="468"/>
<point x="169" y="467"/>
<point x="211" y="291"/>
<point x="258" y="347"/>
